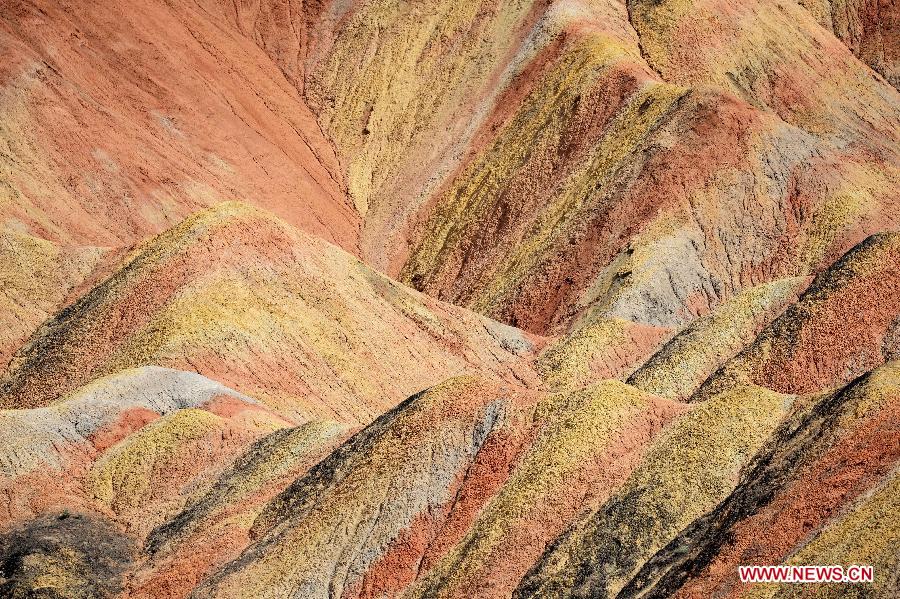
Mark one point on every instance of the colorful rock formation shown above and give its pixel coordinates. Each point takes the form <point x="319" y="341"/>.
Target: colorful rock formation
<point x="440" y="299"/>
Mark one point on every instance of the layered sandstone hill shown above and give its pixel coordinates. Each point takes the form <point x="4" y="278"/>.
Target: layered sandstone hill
<point x="519" y="298"/>
<point x="239" y="295"/>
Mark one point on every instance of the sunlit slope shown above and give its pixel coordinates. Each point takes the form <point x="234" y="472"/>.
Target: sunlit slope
<point x="97" y="470"/>
<point x="637" y="177"/>
<point x="455" y="491"/>
<point x="242" y="297"/>
<point x="684" y="474"/>
<point x="531" y="299"/>
<point x="37" y="277"/>
<point x="830" y="465"/>
<point x="867" y="27"/>
<point x="846" y="323"/>
<point x="403" y="89"/>
<point x="569" y="487"/>
<point x="117" y="121"/>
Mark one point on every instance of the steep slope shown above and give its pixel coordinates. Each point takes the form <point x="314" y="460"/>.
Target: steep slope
<point x="458" y="487"/>
<point x="839" y="446"/>
<point x="213" y="528"/>
<point x="867" y="27"/>
<point x="844" y="324"/>
<point x="118" y="121"/>
<point x="822" y="460"/>
<point x="216" y="389"/>
<point x="242" y="297"/>
<point x="37" y="278"/>
<point x="808" y="77"/>
<point x="830" y="464"/>
<point x="653" y="191"/>
<point x="679" y="368"/>
<point x="686" y="472"/>
<point x="127" y="453"/>
<point x="402" y="89"/>
<point x="530" y="161"/>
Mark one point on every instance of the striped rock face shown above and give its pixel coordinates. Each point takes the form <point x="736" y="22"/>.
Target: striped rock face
<point x="239" y="295"/>
<point x="343" y="299"/>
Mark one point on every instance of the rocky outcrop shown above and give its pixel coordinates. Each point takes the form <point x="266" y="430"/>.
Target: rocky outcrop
<point x="64" y="555"/>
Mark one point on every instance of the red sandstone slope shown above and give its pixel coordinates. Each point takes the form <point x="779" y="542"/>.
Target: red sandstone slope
<point x="652" y="178"/>
<point x="695" y="197"/>
<point x="118" y="120"/>
<point x="868" y="27"/>
<point x="239" y="295"/>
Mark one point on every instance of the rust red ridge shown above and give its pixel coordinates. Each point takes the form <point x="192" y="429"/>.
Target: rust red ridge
<point x="596" y="106"/>
<point x="174" y="573"/>
<point x="181" y="572"/>
<point x="606" y="232"/>
<point x="500" y="572"/>
<point x="132" y="310"/>
<point x="138" y="303"/>
<point x="624" y="359"/>
<point x="398" y="566"/>
<point x="854" y="318"/>
<point x="227" y="406"/>
<point x="434" y="533"/>
<point x="271" y="24"/>
<point x="482" y="481"/>
<point x="858" y="460"/>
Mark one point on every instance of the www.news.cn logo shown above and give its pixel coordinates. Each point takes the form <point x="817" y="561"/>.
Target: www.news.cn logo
<point x="802" y="574"/>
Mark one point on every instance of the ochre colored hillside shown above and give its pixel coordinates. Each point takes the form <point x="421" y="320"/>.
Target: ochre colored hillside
<point x="239" y="295"/>
<point x="651" y="180"/>
<point x="867" y="27"/>
<point x="325" y="299"/>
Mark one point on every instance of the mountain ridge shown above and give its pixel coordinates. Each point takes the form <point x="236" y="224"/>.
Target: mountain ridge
<point x="508" y="298"/>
